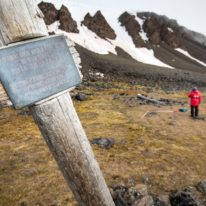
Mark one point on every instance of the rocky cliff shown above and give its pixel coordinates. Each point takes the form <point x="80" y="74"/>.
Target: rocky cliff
<point x="99" y="25"/>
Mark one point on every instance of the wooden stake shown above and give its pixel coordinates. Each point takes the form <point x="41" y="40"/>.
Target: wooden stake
<point x="57" y="118"/>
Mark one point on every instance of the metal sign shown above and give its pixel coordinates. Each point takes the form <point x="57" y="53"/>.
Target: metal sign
<point x="34" y="70"/>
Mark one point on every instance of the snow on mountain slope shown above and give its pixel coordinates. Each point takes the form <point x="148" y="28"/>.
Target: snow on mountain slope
<point x="91" y="41"/>
<point x="142" y="33"/>
<point x="86" y="38"/>
<point x="191" y="57"/>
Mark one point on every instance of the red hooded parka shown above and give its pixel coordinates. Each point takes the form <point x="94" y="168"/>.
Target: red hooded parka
<point x="195" y="97"/>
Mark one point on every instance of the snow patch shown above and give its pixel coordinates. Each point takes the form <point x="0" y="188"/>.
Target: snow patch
<point x="142" y="33"/>
<point x="170" y="29"/>
<point x="191" y="57"/>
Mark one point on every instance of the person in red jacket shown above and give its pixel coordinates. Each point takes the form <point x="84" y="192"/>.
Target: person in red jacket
<point x="195" y="99"/>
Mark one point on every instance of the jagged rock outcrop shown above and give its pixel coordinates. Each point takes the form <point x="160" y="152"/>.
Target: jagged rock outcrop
<point x="161" y="29"/>
<point x="133" y="28"/>
<point x="66" y="21"/>
<point x="155" y="38"/>
<point x="99" y="25"/>
<point x="51" y="14"/>
<point x="49" y="11"/>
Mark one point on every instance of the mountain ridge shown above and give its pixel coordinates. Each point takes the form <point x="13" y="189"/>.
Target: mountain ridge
<point x="146" y="37"/>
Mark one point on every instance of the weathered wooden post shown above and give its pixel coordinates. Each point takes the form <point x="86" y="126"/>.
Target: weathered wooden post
<point x="56" y="117"/>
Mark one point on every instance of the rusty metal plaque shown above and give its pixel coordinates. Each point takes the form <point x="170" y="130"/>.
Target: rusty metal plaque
<point x="34" y="70"/>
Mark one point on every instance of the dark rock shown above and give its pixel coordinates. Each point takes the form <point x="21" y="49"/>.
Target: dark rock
<point x="201" y="187"/>
<point x="49" y="11"/>
<point x="81" y="97"/>
<point x="56" y="203"/>
<point x="161" y="201"/>
<point x="152" y="25"/>
<point x="24" y="112"/>
<point x="51" y="14"/>
<point x="66" y="21"/>
<point x="200" y="118"/>
<point x="99" y="25"/>
<point x="119" y="189"/>
<point x="141" y="189"/>
<point x="145" y="179"/>
<point x="145" y="201"/>
<point x="155" y="38"/>
<point x="31" y="172"/>
<point x="119" y="201"/>
<point x="103" y="142"/>
<point x="133" y="28"/>
<point x="183" y="198"/>
<point x="23" y="204"/>
<point x="151" y="114"/>
<point x="51" y="33"/>
<point x="165" y="199"/>
<point x="124" y="196"/>
<point x="170" y="37"/>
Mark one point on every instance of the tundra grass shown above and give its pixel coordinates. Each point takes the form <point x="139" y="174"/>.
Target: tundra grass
<point x="166" y="151"/>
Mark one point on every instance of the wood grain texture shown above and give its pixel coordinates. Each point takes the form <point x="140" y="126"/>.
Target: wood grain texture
<point x="4" y="99"/>
<point x="67" y="141"/>
<point x="20" y="20"/>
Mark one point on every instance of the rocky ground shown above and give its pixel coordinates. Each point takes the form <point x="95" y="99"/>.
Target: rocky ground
<point x="124" y="68"/>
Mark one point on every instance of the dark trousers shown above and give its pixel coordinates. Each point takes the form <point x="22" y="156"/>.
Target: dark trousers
<point x="194" y="111"/>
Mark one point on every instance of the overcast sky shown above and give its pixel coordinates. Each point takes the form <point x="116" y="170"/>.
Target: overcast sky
<point x="189" y="13"/>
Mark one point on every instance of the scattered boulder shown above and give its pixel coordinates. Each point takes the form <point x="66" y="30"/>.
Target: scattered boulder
<point x="30" y="172"/>
<point x="66" y="21"/>
<point x="49" y="11"/>
<point x="183" y="198"/>
<point x="142" y="189"/>
<point x="99" y="25"/>
<point x="161" y="200"/>
<point x="23" y="203"/>
<point x="81" y="97"/>
<point x="201" y="187"/>
<point x="124" y="196"/>
<point x="24" y="112"/>
<point x="51" y="33"/>
<point x="150" y="114"/>
<point x="120" y="202"/>
<point x="105" y="143"/>
<point x="133" y="28"/>
<point x="139" y="196"/>
<point x="145" y="201"/>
